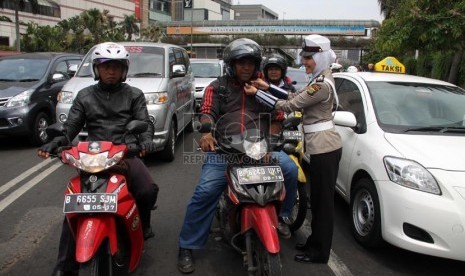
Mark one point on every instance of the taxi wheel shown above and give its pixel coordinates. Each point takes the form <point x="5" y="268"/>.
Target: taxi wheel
<point x="366" y="215"/>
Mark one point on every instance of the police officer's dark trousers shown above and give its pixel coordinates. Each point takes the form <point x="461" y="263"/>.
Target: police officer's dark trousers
<point x="323" y="172"/>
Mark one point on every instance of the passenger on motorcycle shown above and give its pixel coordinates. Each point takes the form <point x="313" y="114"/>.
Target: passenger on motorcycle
<point x="274" y="72"/>
<point x="226" y="106"/>
<point x="105" y="108"/>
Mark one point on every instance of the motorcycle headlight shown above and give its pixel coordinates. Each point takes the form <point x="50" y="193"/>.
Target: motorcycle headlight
<point x="94" y="163"/>
<point x="256" y="150"/>
<point x="21" y="99"/>
<point x="410" y="174"/>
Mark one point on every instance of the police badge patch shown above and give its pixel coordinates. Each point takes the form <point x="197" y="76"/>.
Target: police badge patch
<point x="311" y="89"/>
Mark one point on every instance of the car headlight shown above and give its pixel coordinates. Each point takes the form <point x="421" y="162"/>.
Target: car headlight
<point x="65" y="97"/>
<point x="410" y="174"/>
<point x="21" y="99"/>
<point x="156" y="98"/>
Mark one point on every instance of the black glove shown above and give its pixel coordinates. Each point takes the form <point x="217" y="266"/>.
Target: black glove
<point x="148" y="146"/>
<point x="53" y="145"/>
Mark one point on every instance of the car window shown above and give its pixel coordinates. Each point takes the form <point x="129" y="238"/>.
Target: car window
<point x="23" y="69"/>
<point x="350" y="98"/>
<point x="206" y="69"/>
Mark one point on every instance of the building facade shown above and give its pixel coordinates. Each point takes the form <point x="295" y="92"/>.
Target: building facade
<point x="53" y="11"/>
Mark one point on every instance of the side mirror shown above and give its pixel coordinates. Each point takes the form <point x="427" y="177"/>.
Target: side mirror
<point x="57" y="77"/>
<point x="179" y="70"/>
<point x="72" y="69"/>
<point x="344" y="118"/>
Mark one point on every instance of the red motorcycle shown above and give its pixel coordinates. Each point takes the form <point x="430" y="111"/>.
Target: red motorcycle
<point x="101" y="212"/>
<point x="247" y="210"/>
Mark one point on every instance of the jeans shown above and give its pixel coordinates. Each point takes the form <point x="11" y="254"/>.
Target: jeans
<point x="202" y="206"/>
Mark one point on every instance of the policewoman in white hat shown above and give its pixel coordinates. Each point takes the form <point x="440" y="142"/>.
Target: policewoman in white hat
<point x="322" y="141"/>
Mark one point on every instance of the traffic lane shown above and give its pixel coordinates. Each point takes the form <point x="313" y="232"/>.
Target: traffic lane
<point x="177" y="181"/>
<point x="28" y="222"/>
<point x="16" y="156"/>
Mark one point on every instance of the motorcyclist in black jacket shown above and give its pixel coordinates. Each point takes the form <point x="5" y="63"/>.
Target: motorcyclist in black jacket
<point x="106" y="108"/>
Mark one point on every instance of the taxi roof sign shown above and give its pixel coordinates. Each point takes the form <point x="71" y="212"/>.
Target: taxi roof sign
<point x="390" y="65"/>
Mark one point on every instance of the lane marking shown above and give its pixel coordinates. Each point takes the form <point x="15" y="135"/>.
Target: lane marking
<point x="24" y="175"/>
<point x="335" y="263"/>
<point x="26" y="187"/>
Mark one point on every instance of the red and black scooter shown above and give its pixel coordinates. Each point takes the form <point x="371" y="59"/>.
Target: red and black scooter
<point x="101" y="212"/>
<point x="247" y="210"/>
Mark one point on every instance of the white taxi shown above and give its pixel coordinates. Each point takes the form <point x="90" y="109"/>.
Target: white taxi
<point x="403" y="161"/>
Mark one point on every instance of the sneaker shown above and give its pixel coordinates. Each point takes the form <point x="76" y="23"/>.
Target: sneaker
<point x="148" y="233"/>
<point x="283" y="229"/>
<point x="185" y="261"/>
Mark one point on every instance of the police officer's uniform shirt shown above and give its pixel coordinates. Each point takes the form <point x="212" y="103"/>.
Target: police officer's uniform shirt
<point x="316" y="103"/>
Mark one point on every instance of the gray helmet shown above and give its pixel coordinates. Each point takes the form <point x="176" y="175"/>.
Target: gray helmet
<point x="276" y="60"/>
<point x="241" y="48"/>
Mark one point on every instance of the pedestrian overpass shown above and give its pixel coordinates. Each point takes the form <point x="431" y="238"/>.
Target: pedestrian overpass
<point x="350" y="29"/>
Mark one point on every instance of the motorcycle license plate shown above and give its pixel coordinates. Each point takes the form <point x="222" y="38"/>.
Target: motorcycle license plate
<point x="255" y="175"/>
<point x="295" y="135"/>
<point x="90" y="203"/>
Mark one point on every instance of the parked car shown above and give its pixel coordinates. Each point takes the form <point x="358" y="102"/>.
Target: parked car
<point x="163" y="72"/>
<point x="205" y="71"/>
<point x="29" y="85"/>
<point x="298" y="77"/>
<point x="403" y="165"/>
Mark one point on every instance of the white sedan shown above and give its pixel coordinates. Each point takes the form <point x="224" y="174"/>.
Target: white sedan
<point x="403" y="161"/>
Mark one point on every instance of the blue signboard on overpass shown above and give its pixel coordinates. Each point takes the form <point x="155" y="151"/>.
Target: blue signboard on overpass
<point x="287" y="30"/>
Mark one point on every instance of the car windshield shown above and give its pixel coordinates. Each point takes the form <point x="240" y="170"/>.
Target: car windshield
<point x="143" y="62"/>
<point x="206" y="70"/>
<point x="409" y="107"/>
<point x="23" y="69"/>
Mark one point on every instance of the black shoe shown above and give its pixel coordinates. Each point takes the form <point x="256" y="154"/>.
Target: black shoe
<point x="306" y="259"/>
<point x="148" y="233"/>
<point x="300" y="246"/>
<point x="283" y="229"/>
<point x="185" y="261"/>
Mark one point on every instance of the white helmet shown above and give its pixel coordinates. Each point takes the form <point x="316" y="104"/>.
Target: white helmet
<point x="352" y="69"/>
<point x="110" y="51"/>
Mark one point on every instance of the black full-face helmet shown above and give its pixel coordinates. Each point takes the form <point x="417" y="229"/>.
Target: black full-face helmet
<point x="242" y="48"/>
<point x="275" y="60"/>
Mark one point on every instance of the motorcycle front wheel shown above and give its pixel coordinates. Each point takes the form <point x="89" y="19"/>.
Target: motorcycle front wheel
<point x="266" y="263"/>
<point x="99" y="265"/>
<point x="299" y="211"/>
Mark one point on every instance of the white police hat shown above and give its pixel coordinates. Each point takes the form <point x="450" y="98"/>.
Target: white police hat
<point x="313" y="44"/>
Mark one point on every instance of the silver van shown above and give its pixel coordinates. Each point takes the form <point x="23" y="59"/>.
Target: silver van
<point x="163" y="72"/>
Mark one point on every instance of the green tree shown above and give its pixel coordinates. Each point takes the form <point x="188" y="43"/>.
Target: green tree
<point x="426" y="26"/>
<point x="388" y="7"/>
<point x="130" y="27"/>
<point x="20" y="5"/>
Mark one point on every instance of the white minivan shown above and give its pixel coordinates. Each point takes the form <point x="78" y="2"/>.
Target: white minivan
<point x="163" y="72"/>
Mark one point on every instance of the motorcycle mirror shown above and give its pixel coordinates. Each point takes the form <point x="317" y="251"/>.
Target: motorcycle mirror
<point x="291" y="122"/>
<point x="55" y="130"/>
<point x="136" y="126"/>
